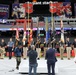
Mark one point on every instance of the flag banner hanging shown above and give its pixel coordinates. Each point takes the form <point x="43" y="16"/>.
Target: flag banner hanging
<point x="47" y="29"/>
<point x="29" y="7"/>
<point x="18" y="11"/>
<point x="24" y="37"/>
<point x="4" y="11"/>
<point x="53" y="7"/>
<point x="62" y="31"/>
<point x="64" y="9"/>
<point x="61" y="9"/>
<point x="68" y="9"/>
<point x="31" y="32"/>
<point x="47" y="37"/>
<point x="52" y="24"/>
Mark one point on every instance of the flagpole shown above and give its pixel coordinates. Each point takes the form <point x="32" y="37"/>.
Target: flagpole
<point x="52" y="24"/>
<point x="17" y="31"/>
<point x="24" y="35"/>
<point x="38" y="28"/>
<point x="28" y="21"/>
<point x="31" y="32"/>
<point x="52" y="21"/>
<point x="62" y="31"/>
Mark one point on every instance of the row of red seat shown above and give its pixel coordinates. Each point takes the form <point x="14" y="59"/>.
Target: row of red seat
<point x="57" y="54"/>
<point x="65" y="54"/>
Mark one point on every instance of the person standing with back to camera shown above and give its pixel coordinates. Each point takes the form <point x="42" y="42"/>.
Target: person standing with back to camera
<point x="32" y="54"/>
<point x="51" y="59"/>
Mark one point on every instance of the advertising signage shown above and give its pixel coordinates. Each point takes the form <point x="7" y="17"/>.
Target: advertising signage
<point x="4" y="11"/>
<point x="18" y="11"/>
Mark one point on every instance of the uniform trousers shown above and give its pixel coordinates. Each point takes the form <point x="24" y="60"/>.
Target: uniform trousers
<point x="25" y="52"/>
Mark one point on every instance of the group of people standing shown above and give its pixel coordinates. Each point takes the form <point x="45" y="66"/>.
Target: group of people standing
<point x="21" y="48"/>
<point x="49" y="56"/>
<point x="4" y="47"/>
<point x="10" y="46"/>
<point x="69" y="46"/>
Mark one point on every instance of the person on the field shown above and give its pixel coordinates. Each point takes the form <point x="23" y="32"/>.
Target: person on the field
<point x="18" y="54"/>
<point x="51" y="60"/>
<point x="32" y="54"/>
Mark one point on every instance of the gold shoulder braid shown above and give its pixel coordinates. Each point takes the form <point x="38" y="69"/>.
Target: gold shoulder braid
<point x="16" y="43"/>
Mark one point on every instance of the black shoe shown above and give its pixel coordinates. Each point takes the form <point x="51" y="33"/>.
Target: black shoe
<point x="17" y="68"/>
<point x="68" y="58"/>
<point x="11" y="70"/>
<point x="61" y="58"/>
<point x="9" y="58"/>
<point x="24" y="58"/>
<point x="38" y="58"/>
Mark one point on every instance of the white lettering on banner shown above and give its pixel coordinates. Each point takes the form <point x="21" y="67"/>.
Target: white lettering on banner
<point x="40" y="3"/>
<point x="37" y="3"/>
<point x="45" y="2"/>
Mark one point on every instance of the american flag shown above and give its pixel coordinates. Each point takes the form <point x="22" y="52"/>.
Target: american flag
<point x="24" y="37"/>
<point x="62" y="31"/>
<point x="31" y="33"/>
<point x="29" y="7"/>
<point x="17" y="33"/>
<point x="53" y="7"/>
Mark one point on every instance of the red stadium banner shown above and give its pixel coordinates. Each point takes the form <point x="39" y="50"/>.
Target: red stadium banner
<point x="64" y="9"/>
<point x="60" y="9"/>
<point x="68" y="9"/>
<point x="53" y="7"/>
<point x="28" y="7"/>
